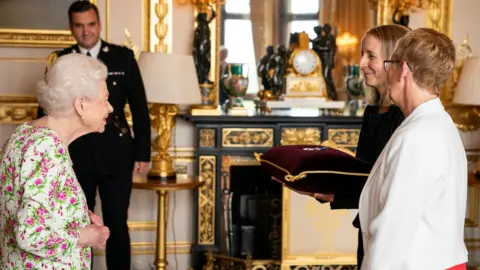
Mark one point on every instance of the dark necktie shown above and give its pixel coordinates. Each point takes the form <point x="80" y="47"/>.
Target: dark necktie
<point x="88" y="54"/>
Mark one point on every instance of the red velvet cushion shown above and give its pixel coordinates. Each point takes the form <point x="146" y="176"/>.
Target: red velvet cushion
<point x="317" y="169"/>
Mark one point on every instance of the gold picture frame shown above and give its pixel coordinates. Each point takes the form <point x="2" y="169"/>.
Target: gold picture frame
<point x="25" y="36"/>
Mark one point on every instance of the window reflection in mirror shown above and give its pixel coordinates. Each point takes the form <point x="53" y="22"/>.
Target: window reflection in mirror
<point x="238" y="30"/>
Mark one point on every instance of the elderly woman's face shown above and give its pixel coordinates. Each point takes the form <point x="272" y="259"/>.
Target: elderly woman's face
<point x="97" y="110"/>
<point x="371" y="62"/>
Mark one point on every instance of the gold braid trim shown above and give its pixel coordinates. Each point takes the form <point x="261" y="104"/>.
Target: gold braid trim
<point x="292" y="178"/>
<point x="51" y="58"/>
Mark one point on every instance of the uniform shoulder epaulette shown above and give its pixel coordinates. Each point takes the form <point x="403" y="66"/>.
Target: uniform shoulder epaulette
<point x="52" y="57"/>
<point x="57" y="53"/>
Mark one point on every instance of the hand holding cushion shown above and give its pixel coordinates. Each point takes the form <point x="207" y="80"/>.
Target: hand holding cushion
<point x="314" y="169"/>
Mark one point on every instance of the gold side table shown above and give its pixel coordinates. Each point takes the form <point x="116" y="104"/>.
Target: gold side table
<point x="162" y="189"/>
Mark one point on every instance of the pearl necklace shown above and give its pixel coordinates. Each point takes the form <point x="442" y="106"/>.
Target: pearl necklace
<point x="63" y="137"/>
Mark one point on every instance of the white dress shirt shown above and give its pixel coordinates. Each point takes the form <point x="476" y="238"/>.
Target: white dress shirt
<point x="93" y="51"/>
<point x="412" y="208"/>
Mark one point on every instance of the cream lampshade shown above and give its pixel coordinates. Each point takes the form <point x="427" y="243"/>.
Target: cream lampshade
<point x="170" y="80"/>
<point x="465" y="112"/>
<point x="467" y="91"/>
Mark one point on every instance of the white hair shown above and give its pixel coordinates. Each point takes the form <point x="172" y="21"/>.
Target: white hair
<point x="70" y="76"/>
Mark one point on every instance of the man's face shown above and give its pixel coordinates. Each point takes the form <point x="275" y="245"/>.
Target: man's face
<point x="85" y="27"/>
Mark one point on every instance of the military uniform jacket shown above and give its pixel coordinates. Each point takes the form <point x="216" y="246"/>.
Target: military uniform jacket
<point x="115" y="150"/>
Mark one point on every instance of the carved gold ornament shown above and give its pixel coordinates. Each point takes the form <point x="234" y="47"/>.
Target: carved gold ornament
<point x="206" y="201"/>
<point x="247" y="137"/>
<point x="344" y="137"/>
<point x="293" y="136"/>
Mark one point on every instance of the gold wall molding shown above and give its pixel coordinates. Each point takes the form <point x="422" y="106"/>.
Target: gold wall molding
<point x="215" y="51"/>
<point x="247" y="137"/>
<point x="439" y="16"/>
<point x="17" y="109"/>
<point x="35" y="38"/>
<point x="107" y="18"/>
<point x="206" y="201"/>
<point x="161" y="27"/>
<point x="148" y="248"/>
<point x="23" y="60"/>
<point x="292" y="136"/>
<point x="142" y="225"/>
<point x="147" y="18"/>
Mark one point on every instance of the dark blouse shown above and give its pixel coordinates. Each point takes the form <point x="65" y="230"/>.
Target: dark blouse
<point x="377" y="128"/>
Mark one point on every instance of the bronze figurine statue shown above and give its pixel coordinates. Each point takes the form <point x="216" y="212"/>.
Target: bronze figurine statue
<point x="325" y="46"/>
<point x="264" y="67"/>
<point x="401" y="17"/>
<point x="202" y="46"/>
<point x="277" y="70"/>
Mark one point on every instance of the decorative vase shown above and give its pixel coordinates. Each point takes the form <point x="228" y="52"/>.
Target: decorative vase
<point x="236" y="83"/>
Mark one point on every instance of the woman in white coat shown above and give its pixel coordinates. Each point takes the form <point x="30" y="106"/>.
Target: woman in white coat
<point x="412" y="208"/>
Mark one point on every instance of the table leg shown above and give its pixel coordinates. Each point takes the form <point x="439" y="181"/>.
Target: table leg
<point x="161" y="250"/>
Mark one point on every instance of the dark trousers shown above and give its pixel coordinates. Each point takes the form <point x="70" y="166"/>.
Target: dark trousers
<point x="360" y="249"/>
<point x="115" y="192"/>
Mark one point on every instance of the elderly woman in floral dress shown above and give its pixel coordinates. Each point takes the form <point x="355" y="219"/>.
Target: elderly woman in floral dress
<point x="44" y="219"/>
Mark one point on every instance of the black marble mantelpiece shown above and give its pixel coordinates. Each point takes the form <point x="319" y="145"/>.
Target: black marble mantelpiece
<point x="279" y="117"/>
<point x="225" y="141"/>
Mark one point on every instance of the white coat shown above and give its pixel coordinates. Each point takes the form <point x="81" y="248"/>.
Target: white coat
<point x="412" y="208"/>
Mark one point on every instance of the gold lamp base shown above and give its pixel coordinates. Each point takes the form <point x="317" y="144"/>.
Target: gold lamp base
<point x="164" y="118"/>
<point x="466" y="118"/>
<point x="162" y="168"/>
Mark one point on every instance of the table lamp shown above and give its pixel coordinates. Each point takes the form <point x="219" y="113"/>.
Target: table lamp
<point x="467" y="96"/>
<point x="466" y="110"/>
<point x="170" y="80"/>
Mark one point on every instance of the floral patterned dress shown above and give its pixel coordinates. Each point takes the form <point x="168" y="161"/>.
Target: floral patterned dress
<point x="42" y="205"/>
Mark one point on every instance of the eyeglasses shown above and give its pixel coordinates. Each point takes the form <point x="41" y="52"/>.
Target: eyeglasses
<point x="388" y="63"/>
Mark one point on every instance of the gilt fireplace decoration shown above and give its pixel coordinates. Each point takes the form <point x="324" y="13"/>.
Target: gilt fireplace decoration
<point x="242" y="214"/>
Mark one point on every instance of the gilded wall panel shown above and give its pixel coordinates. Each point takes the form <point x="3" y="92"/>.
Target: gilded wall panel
<point x="247" y="137"/>
<point x="293" y="136"/>
<point x="344" y="137"/>
<point x="206" y="201"/>
<point x="207" y="137"/>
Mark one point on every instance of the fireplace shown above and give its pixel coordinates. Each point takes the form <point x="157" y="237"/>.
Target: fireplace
<point x="252" y="212"/>
<point x="243" y="218"/>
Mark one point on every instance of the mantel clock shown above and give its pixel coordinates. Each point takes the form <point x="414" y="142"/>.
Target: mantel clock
<point x="304" y="78"/>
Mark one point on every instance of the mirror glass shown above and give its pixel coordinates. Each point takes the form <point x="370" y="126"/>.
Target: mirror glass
<point x="249" y="26"/>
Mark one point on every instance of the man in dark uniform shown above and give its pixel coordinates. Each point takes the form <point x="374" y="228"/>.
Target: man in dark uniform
<point x="106" y="161"/>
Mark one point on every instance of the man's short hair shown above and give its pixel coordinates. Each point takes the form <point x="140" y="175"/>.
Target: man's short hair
<point x="81" y="6"/>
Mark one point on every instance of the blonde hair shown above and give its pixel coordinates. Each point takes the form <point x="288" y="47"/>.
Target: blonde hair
<point x="388" y="35"/>
<point x="430" y="56"/>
